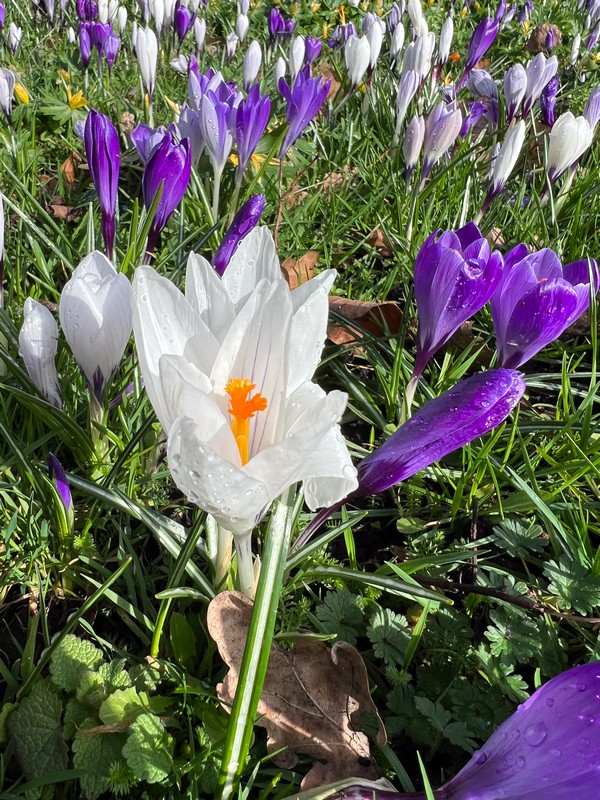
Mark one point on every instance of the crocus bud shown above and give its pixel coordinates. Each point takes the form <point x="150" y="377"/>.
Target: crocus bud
<point x="539" y="72"/>
<point x="7" y="89"/>
<point x="397" y="43"/>
<point x="95" y="315"/>
<point x="591" y="109"/>
<point x="515" y="85"/>
<point x="251" y="118"/>
<point x="536" y="301"/>
<point x="242" y="24"/>
<point x="85" y="44"/>
<point x="418" y="21"/>
<point x="296" y="57"/>
<point x="407" y="89"/>
<point x="14" y="36"/>
<point x="568" y="140"/>
<point x="445" y="42"/>
<point x="244" y="221"/>
<point x="199" y="34"/>
<point x="61" y="483"/>
<point x="103" y="154"/>
<point x="121" y="19"/>
<point x="418" y="55"/>
<point x="169" y="166"/>
<point x="357" y="54"/>
<point x="216" y="119"/>
<point x="279" y="70"/>
<point x="231" y="43"/>
<point x="243" y="6"/>
<point x="441" y="130"/>
<point x="456" y="273"/>
<point x="2" y="15"/>
<point x="146" y="48"/>
<point x="481" y="41"/>
<point x="412" y="144"/>
<point x="71" y="35"/>
<point x="548" y="101"/>
<point x="182" y="21"/>
<point x="374" y="32"/>
<point x="574" y="54"/>
<point x="312" y="49"/>
<point x="252" y="63"/>
<point x="505" y="161"/>
<point x="37" y="347"/>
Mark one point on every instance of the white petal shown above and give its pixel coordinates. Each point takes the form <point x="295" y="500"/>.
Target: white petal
<point x="208" y="297"/>
<point x="37" y="347"/>
<point x="309" y="329"/>
<point x="254" y="259"/>
<point x="236" y="500"/>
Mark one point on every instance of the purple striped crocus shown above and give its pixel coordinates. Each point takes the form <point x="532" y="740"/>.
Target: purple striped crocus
<point x="548" y="101"/>
<point x="251" y="118"/>
<point x="246" y="219"/>
<point x="103" y="154"/>
<point x="304" y="100"/>
<point x="168" y="167"/>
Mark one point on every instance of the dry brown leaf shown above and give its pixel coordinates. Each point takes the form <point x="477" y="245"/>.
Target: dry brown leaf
<point x="376" y="318"/>
<point x="312" y="699"/>
<point x="300" y="270"/>
<point x="329" y="74"/>
<point x="127" y="122"/>
<point x="60" y="210"/>
<point x="380" y="242"/>
<point x="539" y="36"/>
<point x="68" y="170"/>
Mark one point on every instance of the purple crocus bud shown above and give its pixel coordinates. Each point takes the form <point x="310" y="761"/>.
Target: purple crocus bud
<point x="593" y="37"/>
<point x="183" y="20"/>
<point x="546" y="749"/>
<point x="548" y="101"/>
<point x="467" y="411"/>
<point x="407" y="89"/>
<point x="245" y="220"/>
<point x="500" y="10"/>
<point x="455" y="276"/>
<point x="313" y="48"/>
<point x="524" y="12"/>
<point x="276" y="23"/>
<point x="111" y="47"/>
<point x="61" y="483"/>
<point x="540" y="70"/>
<point x="441" y="130"/>
<point x="481" y="41"/>
<point x="290" y="26"/>
<point x="591" y="110"/>
<point x="515" y="86"/>
<point x="304" y="101"/>
<point x="509" y="15"/>
<point x="169" y="166"/>
<point x="251" y="120"/>
<point x="476" y="112"/>
<point x="103" y="155"/>
<point x="395" y="17"/>
<point x="536" y="301"/>
<point x="85" y="44"/>
<point x="2" y="15"/>
<point x="99" y="33"/>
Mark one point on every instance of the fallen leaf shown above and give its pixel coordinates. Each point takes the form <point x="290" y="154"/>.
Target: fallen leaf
<point x="312" y="700"/>
<point x="375" y="318"/>
<point x="329" y="74"/>
<point x="60" y="210"/>
<point x="300" y="270"/>
<point x="127" y="122"/>
<point x="68" y="170"/>
<point x="380" y="242"/>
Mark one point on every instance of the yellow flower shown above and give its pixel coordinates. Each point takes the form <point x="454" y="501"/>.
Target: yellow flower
<point x="22" y="93"/>
<point x="294" y="9"/>
<point x="526" y="26"/>
<point x="175" y="107"/>
<point x="76" y="100"/>
<point x="463" y="12"/>
<point x="342" y="15"/>
<point x="256" y="160"/>
<point x="64" y="74"/>
<point x="315" y="7"/>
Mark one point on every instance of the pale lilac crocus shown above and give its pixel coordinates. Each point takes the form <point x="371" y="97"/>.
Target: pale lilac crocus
<point x="504" y="162"/>
<point x="304" y="100"/>
<point x="536" y="301"/>
<point x="313" y="48"/>
<point x="515" y="86"/>
<point x="103" y="154"/>
<point x="216" y="125"/>
<point x="38" y="343"/>
<point x="246" y="219"/>
<point x="412" y="145"/>
<point x="540" y="71"/>
<point x="441" y="131"/>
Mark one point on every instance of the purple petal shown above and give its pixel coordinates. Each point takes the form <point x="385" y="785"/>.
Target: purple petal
<point x="58" y="475"/>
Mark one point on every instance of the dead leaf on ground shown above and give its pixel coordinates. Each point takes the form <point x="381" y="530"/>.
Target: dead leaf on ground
<point x="376" y="318"/>
<point x="329" y="74"/>
<point x="60" y="210"/>
<point x="68" y="170"/>
<point x="299" y="270"/>
<point x="127" y="122"/>
<point x="380" y="242"/>
<point x="312" y="700"/>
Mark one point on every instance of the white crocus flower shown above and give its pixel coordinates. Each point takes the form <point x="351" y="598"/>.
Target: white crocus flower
<point x="569" y="138"/>
<point x="296" y="57"/>
<point x="14" y="36"/>
<point x="357" y="54"/>
<point x="37" y="347"/>
<point x="505" y="161"/>
<point x="252" y="63"/>
<point x="228" y="369"/>
<point x="7" y="89"/>
<point x="242" y="24"/>
<point x="95" y="315"/>
<point x="146" y="48"/>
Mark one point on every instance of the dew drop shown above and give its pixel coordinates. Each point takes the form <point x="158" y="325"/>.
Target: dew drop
<point x="480" y="757"/>
<point x="550" y="702"/>
<point x="535" y="734"/>
<point x="587" y="719"/>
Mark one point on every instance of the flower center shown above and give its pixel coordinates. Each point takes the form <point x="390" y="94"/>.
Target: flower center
<point x="242" y="408"/>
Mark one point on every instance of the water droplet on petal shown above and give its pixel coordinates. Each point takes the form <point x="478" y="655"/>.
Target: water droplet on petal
<point x="535" y="734"/>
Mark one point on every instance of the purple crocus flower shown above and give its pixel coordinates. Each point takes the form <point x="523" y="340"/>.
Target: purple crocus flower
<point x="276" y="23"/>
<point x="103" y="155"/>
<point x="547" y="750"/>
<point x="251" y="118"/>
<point x="85" y="44"/>
<point x="341" y="34"/>
<point x="304" y="100"/>
<point x="472" y="408"/>
<point x="145" y="139"/>
<point x="169" y="166"/>
<point x="110" y="48"/>
<point x="525" y="12"/>
<point x="216" y="124"/>
<point x="245" y="220"/>
<point x="61" y="483"/>
<point x="548" y="101"/>
<point x="455" y="276"/>
<point x="481" y="41"/>
<point x="2" y="15"/>
<point x="312" y="50"/>
<point x="476" y="111"/>
<point x="536" y="301"/>
<point x="183" y="21"/>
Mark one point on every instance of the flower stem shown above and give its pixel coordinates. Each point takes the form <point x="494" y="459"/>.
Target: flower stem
<point x="243" y="548"/>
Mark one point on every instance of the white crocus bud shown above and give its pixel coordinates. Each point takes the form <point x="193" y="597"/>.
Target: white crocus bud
<point x="445" y="42"/>
<point x="103" y="11"/>
<point x="242" y="24"/>
<point x="243" y="6"/>
<point x="412" y="144"/>
<point x="419" y="23"/>
<point x="231" y="43"/>
<point x="113" y="9"/>
<point x="95" y="315"/>
<point x="374" y="32"/>
<point x="37" y="347"/>
<point x="569" y="138"/>
<point x="418" y="55"/>
<point x="134" y="33"/>
<point x="407" y="89"/>
<point x="296" y="59"/>
<point x="121" y="19"/>
<point x="199" y="34"/>
<point x="146" y="48"/>
<point x="7" y="88"/>
<point x="397" y="42"/>
<point x="357" y="54"/>
<point x="574" y="55"/>
<point x="180" y="64"/>
<point x="157" y="9"/>
<point x="279" y="70"/>
<point x="252" y="63"/>
<point x="14" y="36"/>
<point x="71" y="36"/>
<point x="505" y="161"/>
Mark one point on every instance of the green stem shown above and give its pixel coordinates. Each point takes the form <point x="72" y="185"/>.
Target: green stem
<point x="257" y="651"/>
<point x="243" y="548"/>
<point x="175" y="580"/>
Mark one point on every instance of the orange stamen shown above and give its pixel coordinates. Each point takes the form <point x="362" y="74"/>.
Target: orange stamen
<point x="242" y="408"/>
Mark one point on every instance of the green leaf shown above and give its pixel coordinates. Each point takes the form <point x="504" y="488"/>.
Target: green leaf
<point x="71" y="658"/>
<point x="390" y="635"/>
<point x="96" y="754"/>
<point x="36" y="732"/>
<point x="183" y="641"/>
<point x="114" y="675"/>
<point x="514" y="637"/>
<point x="77" y="716"/>
<point x="5" y="710"/>
<point x="148" y="749"/>
<point x="341" y="614"/>
<point x="125" y="705"/>
<point x="520" y="537"/>
<point x="574" y="585"/>
<point x="441" y="719"/>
